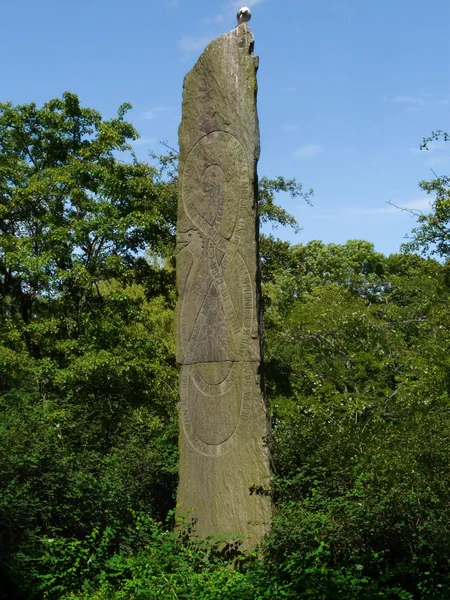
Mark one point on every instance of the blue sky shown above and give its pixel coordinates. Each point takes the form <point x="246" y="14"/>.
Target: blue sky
<point x="347" y="90"/>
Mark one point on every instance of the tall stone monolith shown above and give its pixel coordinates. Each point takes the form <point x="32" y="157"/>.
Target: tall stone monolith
<point x="224" y="458"/>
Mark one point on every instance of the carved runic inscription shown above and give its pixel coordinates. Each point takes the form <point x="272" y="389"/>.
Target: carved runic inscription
<point x="223" y="420"/>
<point x="216" y="197"/>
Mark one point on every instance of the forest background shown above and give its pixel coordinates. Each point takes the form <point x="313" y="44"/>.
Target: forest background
<point x="357" y="373"/>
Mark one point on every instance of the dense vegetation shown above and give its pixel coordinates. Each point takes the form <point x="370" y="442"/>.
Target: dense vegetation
<point x="357" y="369"/>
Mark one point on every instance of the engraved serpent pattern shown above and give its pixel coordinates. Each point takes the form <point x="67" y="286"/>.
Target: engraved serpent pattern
<point x="216" y="194"/>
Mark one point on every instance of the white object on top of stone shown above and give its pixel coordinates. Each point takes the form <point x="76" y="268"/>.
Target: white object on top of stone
<point x="244" y="15"/>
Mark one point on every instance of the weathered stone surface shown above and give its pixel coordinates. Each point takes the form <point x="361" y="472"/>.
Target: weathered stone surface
<point x="223" y="421"/>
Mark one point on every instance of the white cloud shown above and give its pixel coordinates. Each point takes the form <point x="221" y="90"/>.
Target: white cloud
<point x="437" y="160"/>
<point x="415" y="102"/>
<point x="154" y="113"/>
<point x="214" y="20"/>
<point x="143" y="141"/>
<point x="237" y="4"/>
<point x="418" y="204"/>
<point x="437" y="145"/>
<point x="172" y="3"/>
<point x="408" y="100"/>
<point x="190" y="44"/>
<point x="432" y="147"/>
<point x="308" y="151"/>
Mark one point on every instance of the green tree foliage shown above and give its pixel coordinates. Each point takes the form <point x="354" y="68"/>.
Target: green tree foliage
<point x="358" y="377"/>
<point x="432" y="236"/>
<point x="87" y="374"/>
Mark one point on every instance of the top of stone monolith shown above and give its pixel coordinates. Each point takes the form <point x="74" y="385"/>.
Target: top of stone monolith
<point x="219" y="91"/>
